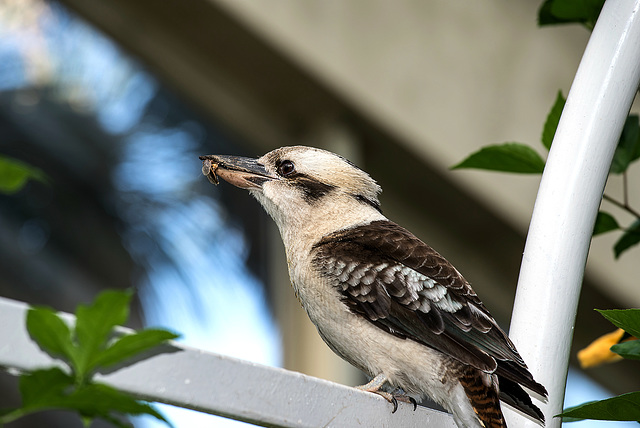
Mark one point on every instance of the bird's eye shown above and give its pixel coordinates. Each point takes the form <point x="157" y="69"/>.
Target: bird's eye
<point x="286" y="168"/>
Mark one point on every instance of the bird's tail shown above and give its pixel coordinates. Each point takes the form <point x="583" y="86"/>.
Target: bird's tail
<point x="483" y="398"/>
<point x="516" y="397"/>
<point x="516" y="384"/>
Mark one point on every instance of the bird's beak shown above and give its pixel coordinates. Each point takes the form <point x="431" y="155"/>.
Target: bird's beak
<point x="245" y="173"/>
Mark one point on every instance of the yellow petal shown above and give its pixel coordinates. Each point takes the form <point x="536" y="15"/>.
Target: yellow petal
<point x="598" y="352"/>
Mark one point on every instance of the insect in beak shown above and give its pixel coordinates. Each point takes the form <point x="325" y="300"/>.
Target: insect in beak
<point x="209" y="169"/>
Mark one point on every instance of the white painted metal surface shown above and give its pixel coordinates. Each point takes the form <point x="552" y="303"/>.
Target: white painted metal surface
<point x="569" y="197"/>
<point x="226" y="386"/>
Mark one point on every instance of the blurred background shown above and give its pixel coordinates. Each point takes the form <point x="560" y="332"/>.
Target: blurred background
<point x="115" y="100"/>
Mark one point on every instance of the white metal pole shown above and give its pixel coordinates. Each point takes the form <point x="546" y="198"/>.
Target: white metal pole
<point x="568" y="199"/>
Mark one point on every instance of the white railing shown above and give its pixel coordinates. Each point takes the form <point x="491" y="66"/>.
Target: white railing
<point x="225" y="386"/>
<point x="569" y="197"/>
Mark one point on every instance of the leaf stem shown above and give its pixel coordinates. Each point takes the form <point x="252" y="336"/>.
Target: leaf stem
<point x="625" y="188"/>
<point x="624" y="205"/>
<point x="15" y="414"/>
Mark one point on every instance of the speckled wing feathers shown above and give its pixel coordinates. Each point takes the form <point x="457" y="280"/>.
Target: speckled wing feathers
<point x="405" y="287"/>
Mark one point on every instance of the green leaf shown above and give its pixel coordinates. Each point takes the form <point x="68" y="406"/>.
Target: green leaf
<point x="15" y="174"/>
<point x="625" y="407"/>
<point x="630" y="238"/>
<point x="628" y="148"/>
<point x="98" y="400"/>
<point x="626" y="319"/>
<point x="132" y="344"/>
<point x="584" y="12"/>
<point x="507" y="157"/>
<point x="553" y="118"/>
<point x="546" y="16"/>
<point x="605" y="222"/>
<point x="43" y="388"/>
<point x="94" y="324"/>
<point x="53" y="389"/>
<point x="40" y="390"/>
<point x="51" y="333"/>
<point x="629" y="350"/>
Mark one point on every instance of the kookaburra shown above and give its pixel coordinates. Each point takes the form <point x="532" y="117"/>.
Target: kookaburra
<point x="382" y="299"/>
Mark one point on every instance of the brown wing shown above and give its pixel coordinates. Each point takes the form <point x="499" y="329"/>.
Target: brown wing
<point x="405" y="287"/>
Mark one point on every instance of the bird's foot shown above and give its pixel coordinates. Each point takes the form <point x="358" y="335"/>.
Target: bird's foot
<point x="377" y="382"/>
<point x="406" y="399"/>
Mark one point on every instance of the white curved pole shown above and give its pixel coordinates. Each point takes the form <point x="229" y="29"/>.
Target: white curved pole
<point x="568" y="199"/>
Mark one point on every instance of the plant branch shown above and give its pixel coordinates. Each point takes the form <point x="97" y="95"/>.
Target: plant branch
<point x="624" y="205"/>
<point x="625" y="188"/>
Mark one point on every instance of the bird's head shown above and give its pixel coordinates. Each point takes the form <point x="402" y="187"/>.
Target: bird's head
<point x="302" y="186"/>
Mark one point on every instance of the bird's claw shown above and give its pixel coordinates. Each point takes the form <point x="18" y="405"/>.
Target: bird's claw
<point x="390" y="398"/>
<point x="394" y="401"/>
<point x="376" y="383"/>
<point x="408" y="399"/>
<point x="394" y="398"/>
<point x="405" y="399"/>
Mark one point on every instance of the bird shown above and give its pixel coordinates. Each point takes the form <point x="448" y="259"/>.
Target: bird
<point x="379" y="297"/>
